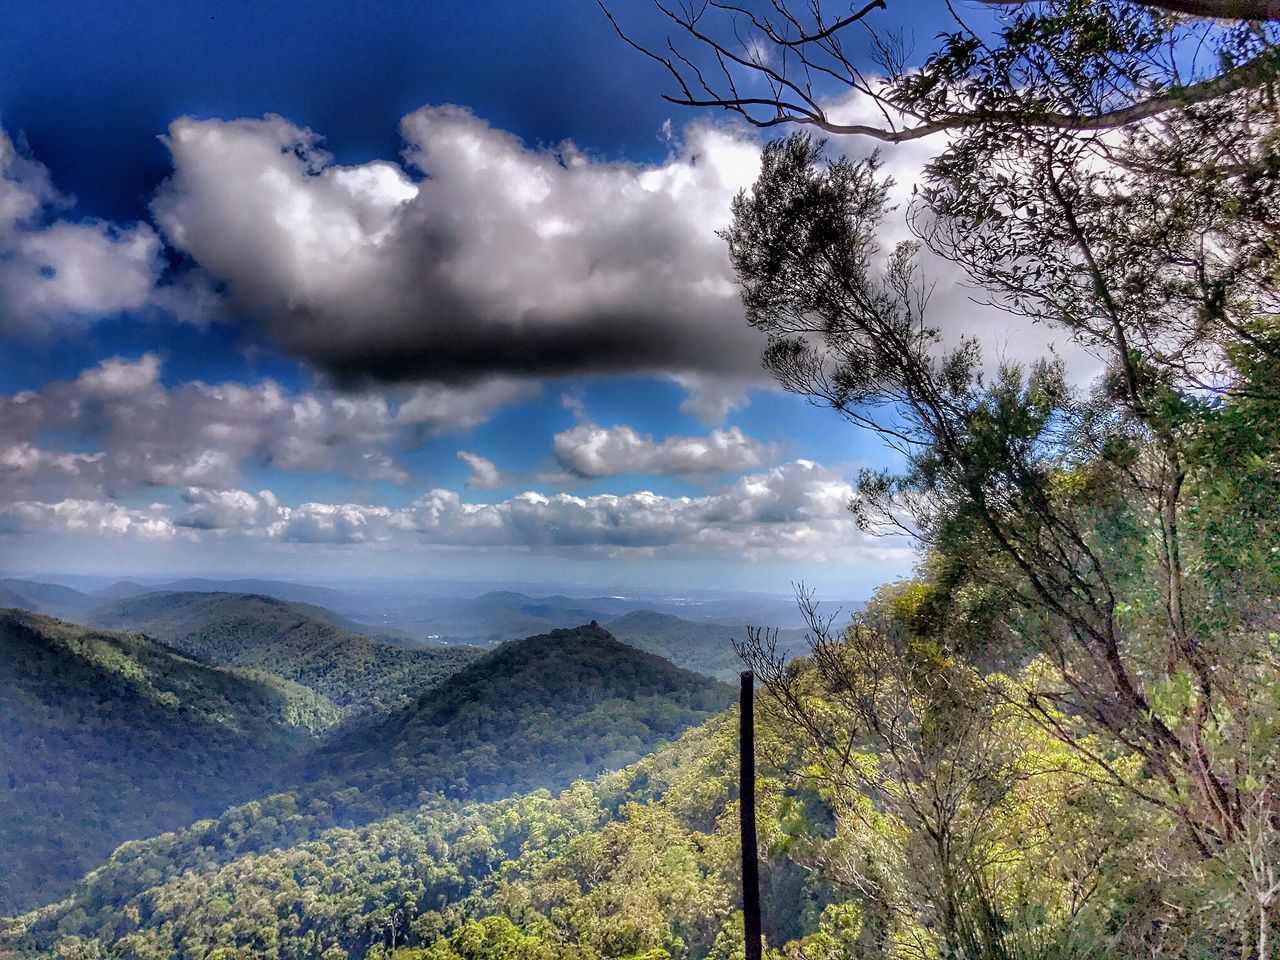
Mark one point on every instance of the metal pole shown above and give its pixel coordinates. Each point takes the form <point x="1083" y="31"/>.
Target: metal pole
<point x="747" y="811"/>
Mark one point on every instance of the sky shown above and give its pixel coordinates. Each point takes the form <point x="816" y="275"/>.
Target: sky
<point x="324" y="290"/>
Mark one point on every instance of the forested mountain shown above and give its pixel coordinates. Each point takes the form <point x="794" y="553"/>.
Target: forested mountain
<point x="280" y="589"/>
<point x="299" y="642"/>
<point x="122" y="589"/>
<point x="703" y="647"/>
<point x="107" y="736"/>
<point x="533" y="713"/>
<point x="641" y="859"/>
<point x="48" y="598"/>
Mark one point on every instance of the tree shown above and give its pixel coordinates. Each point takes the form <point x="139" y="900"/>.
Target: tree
<point x="1061" y="65"/>
<point x="1070" y="507"/>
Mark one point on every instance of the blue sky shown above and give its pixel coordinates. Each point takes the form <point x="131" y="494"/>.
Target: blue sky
<point x="270" y="305"/>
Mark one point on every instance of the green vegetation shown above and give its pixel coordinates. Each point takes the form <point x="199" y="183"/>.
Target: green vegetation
<point x="538" y="712"/>
<point x="1059" y="741"/>
<point x="107" y="736"/>
<point x="643" y="862"/>
<point x="305" y="644"/>
<point x="637" y="860"/>
<point x="142" y="740"/>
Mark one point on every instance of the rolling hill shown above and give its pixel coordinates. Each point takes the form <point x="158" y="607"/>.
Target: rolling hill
<point x="52" y="599"/>
<point x="299" y="642"/>
<point x="107" y="736"/>
<point x="533" y="713"/>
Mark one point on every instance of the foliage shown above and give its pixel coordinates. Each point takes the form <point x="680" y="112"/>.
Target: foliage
<point x="538" y="712"/>
<point x="534" y="713"/>
<point x="107" y="736"/>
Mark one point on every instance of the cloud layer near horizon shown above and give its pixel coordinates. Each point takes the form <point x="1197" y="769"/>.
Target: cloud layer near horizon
<point x="794" y="511"/>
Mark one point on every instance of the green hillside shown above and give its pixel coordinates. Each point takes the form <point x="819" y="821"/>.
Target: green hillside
<point x="306" y="644"/>
<point x="637" y="858"/>
<point x="533" y="713"/>
<point x="107" y="736"/>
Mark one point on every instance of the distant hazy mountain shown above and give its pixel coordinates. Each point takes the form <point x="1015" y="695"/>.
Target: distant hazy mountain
<point x="533" y="713"/>
<point x="299" y="642"/>
<point x="704" y="647"/>
<point x="107" y="736"/>
<point x="506" y="615"/>
<point x="49" y="598"/>
<point x="121" y="590"/>
<point x="280" y="589"/>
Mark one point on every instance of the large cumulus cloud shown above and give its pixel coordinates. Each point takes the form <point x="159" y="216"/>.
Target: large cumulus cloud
<point x="495" y="257"/>
<point x="474" y="256"/>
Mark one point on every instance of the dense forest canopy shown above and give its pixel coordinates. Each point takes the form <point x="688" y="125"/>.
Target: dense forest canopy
<point x="112" y="737"/>
<point x="106" y="737"/>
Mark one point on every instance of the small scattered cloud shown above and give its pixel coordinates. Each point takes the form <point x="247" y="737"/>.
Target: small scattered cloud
<point x="58" y="272"/>
<point x="589" y="450"/>
<point x="485" y="474"/>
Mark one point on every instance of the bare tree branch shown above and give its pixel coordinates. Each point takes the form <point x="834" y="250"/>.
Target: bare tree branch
<point x="1253" y="10"/>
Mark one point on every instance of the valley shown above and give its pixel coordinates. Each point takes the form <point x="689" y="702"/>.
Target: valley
<point x="165" y="708"/>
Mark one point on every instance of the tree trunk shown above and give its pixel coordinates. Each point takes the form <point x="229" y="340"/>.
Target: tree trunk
<point x="747" y="813"/>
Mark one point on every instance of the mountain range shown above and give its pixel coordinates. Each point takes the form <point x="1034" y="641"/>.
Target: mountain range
<point x="300" y="642"/>
<point x="113" y="735"/>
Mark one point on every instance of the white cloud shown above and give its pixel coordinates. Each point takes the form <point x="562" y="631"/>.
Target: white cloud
<point x="477" y="258"/>
<point x="139" y="432"/>
<point x="485" y="474"/>
<point x="481" y="256"/>
<point x="588" y="450"/>
<point x="794" y="511"/>
<point x="85" y="517"/>
<point x="435" y="407"/>
<point x="230" y="510"/>
<point x="56" y="272"/>
<point x="503" y="259"/>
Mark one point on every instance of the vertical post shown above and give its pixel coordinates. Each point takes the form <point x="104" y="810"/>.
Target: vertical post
<point x="747" y="812"/>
